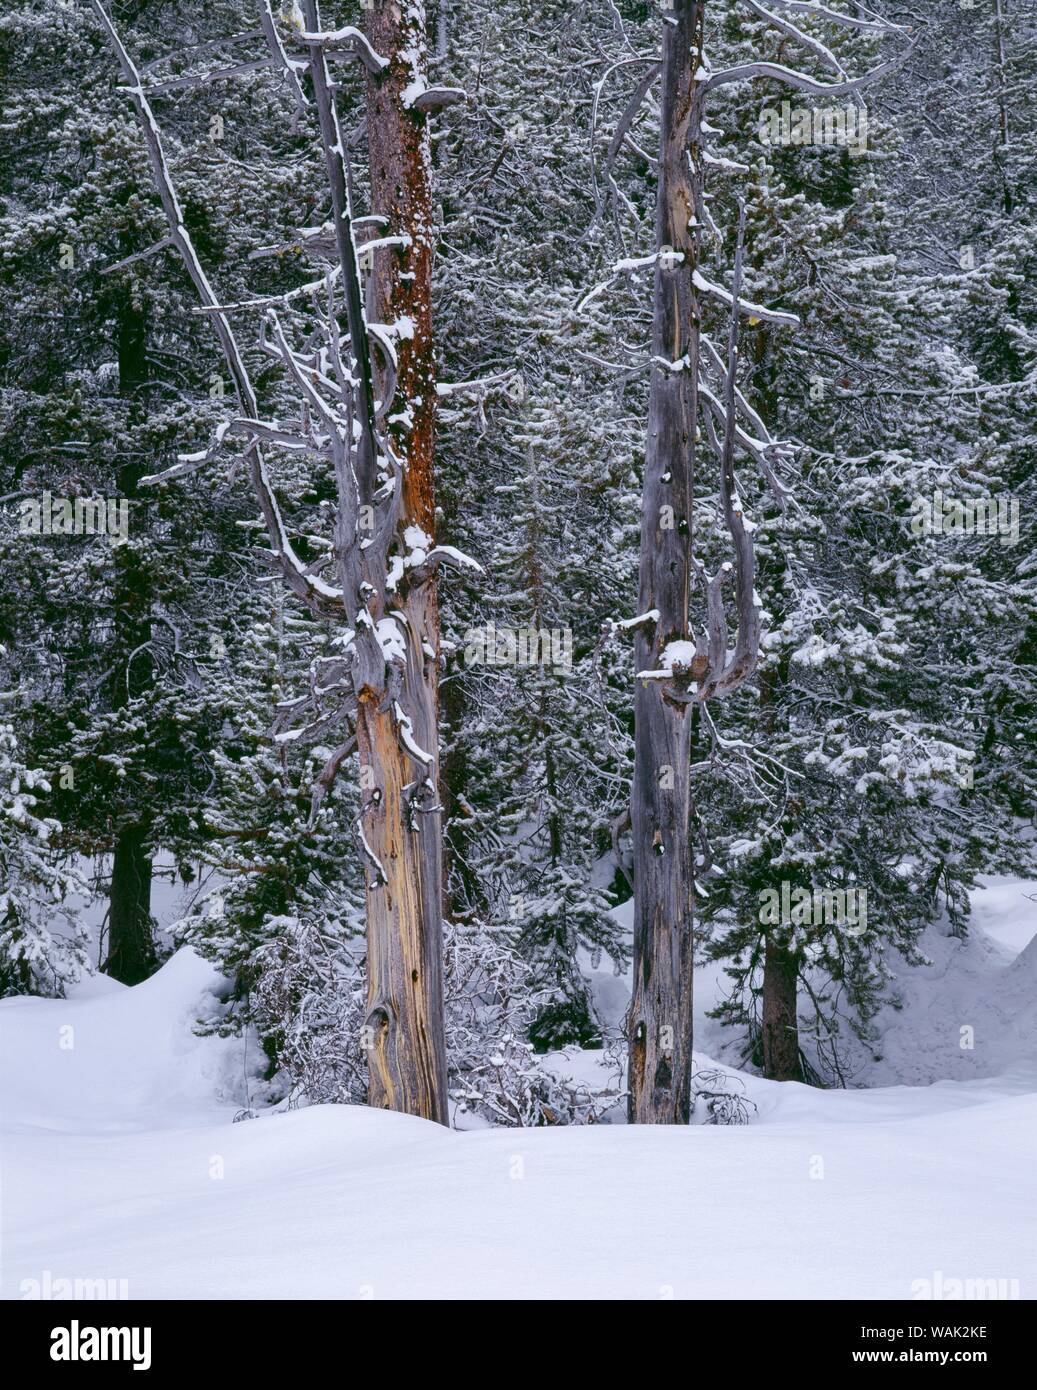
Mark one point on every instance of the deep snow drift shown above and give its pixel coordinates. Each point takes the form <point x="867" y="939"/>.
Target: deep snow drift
<point x="120" y="1161"/>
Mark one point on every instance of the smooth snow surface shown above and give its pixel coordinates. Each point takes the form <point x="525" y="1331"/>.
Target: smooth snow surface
<point x="121" y="1161"/>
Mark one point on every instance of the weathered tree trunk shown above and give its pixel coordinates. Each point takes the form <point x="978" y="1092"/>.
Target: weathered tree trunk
<point x="131" y="947"/>
<point x="387" y="675"/>
<point x="660" y="1018"/>
<point x="780" y="1033"/>
<point x="404" y="916"/>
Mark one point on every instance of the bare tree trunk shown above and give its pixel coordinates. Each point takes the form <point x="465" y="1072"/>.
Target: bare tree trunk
<point x="660" y="1018"/>
<point x="404" y="917"/>
<point x="781" y="1060"/>
<point x="385" y="678"/>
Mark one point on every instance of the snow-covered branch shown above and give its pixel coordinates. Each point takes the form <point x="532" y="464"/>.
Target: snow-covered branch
<point x="348" y="42"/>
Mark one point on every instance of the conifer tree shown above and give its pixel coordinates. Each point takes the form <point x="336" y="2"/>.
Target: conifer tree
<point x="42" y="939"/>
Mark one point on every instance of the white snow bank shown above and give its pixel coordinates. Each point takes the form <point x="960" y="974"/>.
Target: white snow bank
<point x="1005" y="909"/>
<point x="120" y="1161"/>
<point x="111" y="1057"/>
<point x="343" y="1202"/>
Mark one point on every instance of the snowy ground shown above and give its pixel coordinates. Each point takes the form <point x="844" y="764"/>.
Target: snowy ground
<point x="120" y="1161"/>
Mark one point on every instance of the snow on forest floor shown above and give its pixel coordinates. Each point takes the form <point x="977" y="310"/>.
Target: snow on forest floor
<point x="120" y="1161"/>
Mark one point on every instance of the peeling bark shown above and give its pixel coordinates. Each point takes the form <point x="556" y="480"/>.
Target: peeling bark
<point x="404" y="918"/>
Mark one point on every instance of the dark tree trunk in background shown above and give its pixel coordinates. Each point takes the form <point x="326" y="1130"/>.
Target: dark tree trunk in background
<point x="1001" y="150"/>
<point x="462" y="888"/>
<point x="660" y="1014"/>
<point x="780" y="1036"/>
<point x="131" y="947"/>
<point x="780" y="1027"/>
